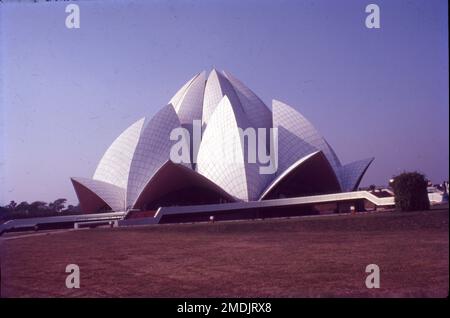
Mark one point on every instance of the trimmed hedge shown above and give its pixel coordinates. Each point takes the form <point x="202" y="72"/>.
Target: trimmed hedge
<point x="410" y="190"/>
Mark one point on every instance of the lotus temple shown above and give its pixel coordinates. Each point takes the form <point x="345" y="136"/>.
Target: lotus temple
<point x="137" y="173"/>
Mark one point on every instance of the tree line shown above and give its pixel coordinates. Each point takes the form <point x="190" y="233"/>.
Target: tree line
<point x="15" y="210"/>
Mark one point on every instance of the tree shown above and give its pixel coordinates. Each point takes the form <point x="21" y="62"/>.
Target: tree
<point x="11" y="206"/>
<point x="58" y="205"/>
<point x="38" y="206"/>
<point x="72" y="209"/>
<point x="22" y="206"/>
<point x="410" y="189"/>
<point x="3" y="211"/>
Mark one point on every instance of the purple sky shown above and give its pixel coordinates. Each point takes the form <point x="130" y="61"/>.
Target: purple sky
<point x="67" y="94"/>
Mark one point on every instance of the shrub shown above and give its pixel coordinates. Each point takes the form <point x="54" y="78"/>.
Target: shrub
<point x="410" y="190"/>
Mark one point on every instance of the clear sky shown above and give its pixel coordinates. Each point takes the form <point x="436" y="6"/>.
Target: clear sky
<point x="66" y="94"/>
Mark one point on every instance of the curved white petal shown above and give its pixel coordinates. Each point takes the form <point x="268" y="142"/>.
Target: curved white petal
<point x="114" y="166"/>
<point x="190" y="105"/>
<point x="175" y="100"/>
<point x="223" y="159"/>
<point x="220" y="157"/>
<point x="152" y="150"/>
<point x="350" y="175"/>
<point x="291" y="148"/>
<point x="92" y="195"/>
<point x="218" y="86"/>
<point x="256" y="111"/>
<point x="287" y="117"/>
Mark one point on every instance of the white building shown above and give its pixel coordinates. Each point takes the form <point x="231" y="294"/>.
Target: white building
<point x="136" y="171"/>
